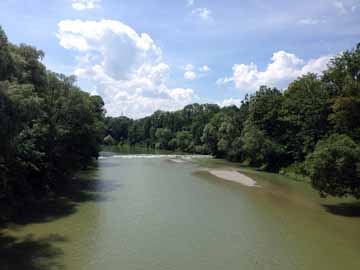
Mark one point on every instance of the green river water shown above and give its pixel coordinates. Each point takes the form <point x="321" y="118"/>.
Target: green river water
<point x="148" y="212"/>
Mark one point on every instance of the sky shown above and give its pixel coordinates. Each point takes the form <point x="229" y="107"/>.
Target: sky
<point x="148" y="55"/>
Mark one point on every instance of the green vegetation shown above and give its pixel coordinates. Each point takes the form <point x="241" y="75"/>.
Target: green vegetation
<point x="49" y="128"/>
<point x="310" y="129"/>
<point x="334" y="158"/>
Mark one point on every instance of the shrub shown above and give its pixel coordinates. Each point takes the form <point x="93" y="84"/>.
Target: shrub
<point x="334" y="167"/>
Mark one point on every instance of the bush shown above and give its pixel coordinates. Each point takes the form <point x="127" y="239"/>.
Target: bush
<point x="334" y="167"/>
<point x="261" y="151"/>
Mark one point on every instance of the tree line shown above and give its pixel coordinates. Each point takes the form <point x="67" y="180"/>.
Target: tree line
<point x="312" y="128"/>
<point x="49" y="128"/>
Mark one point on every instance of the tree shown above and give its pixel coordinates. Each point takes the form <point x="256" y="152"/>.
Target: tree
<point x="226" y="133"/>
<point x="345" y="115"/>
<point x="49" y="128"/>
<point x="334" y="167"/>
<point x="184" y="141"/>
<point x="163" y="136"/>
<point x="6" y="61"/>
<point x="118" y="128"/>
<point x="264" y="111"/>
<point x="304" y="114"/>
<point x="342" y="80"/>
<point x="209" y="139"/>
<point x="259" y="150"/>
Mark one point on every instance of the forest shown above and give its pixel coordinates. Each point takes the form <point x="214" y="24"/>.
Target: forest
<point x="50" y="128"/>
<point x="311" y="129"/>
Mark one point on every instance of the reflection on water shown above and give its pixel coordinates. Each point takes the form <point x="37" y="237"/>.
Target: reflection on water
<point x="149" y="213"/>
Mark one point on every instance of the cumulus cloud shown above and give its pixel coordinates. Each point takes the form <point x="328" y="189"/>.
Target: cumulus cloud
<point x="222" y="81"/>
<point x="190" y="75"/>
<point x="230" y="102"/>
<point x="203" y="13"/>
<point x="189" y="72"/>
<point x="126" y="68"/>
<point x="85" y="4"/>
<point x="284" y="68"/>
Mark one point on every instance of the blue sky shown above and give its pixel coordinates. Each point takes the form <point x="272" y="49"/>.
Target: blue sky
<point x="141" y="55"/>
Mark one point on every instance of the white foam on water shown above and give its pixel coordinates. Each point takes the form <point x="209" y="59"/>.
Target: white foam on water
<point x="151" y="156"/>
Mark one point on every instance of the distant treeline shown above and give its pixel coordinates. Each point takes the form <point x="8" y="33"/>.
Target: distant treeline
<point x="49" y="128"/>
<point x="312" y="128"/>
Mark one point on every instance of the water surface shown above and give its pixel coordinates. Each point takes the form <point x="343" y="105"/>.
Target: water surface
<point x="154" y="214"/>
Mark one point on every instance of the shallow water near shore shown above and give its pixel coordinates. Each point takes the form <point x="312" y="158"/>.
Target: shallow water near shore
<point x="152" y="213"/>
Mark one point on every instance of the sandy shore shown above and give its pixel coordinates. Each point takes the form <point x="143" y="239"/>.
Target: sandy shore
<point x="233" y="176"/>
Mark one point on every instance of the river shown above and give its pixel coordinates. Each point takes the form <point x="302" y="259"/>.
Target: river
<point x="148" y="212"/>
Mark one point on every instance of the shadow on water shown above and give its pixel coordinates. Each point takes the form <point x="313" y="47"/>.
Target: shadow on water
<point x="30" y="253"/>
<point x="344" y="209"/>
<point x="71" y="195"/>
<point x="85" y="190"/>
<point x="109" y="165"/>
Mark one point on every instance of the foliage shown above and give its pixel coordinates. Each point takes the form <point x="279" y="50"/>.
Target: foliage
<point x="334" y="166"/>
<point x="49" y="128"/>
<point x="260" y="150"/>
<point x="304" y="114"/>
<point x="163" y="135"/>
<point x="183" y="141"/>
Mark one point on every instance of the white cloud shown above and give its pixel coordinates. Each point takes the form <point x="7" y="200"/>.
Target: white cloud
<point x="222" y="81"/>
<point x="190" y="75"/>
<point x="339" y="5"/>
<point x="190" y="3"/>
<point x="284" y="68"/>
<point x="189" y="72"/>
<point x="85" y="4"/>
<point x="126" y="68"/>
<point x="204" y="68"/>
<point x="317" y="65"/>
<point x="230" y="102"/>
<point x="204" y="13"/>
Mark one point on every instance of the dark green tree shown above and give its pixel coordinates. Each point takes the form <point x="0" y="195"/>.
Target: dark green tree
<point x="334" y="167"/>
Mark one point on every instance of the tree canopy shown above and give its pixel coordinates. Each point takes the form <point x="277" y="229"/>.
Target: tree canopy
<point x="49" y="128"/>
